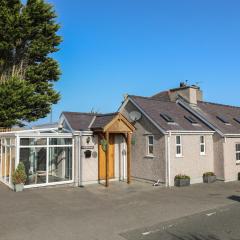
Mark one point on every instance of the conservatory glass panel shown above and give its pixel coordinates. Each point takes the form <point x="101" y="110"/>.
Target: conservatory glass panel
<point x="35" y="161"/>
<point x="33" y="141"/>
<point x="13" y="159"/>
<point x="60" y="164"/>
<point x="60" y="141"/>
<point x="7" y="164"/>
<point x="3" y="162"/>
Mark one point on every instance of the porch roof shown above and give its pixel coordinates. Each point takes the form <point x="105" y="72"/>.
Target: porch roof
<point x="114" y="122"/>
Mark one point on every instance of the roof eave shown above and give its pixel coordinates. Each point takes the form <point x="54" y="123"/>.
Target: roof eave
<point x="236" y="135"/>
<point x="191" y="132"/>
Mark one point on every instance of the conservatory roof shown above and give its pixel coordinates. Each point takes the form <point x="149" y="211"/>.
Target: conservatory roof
<point x="38" y="132"/>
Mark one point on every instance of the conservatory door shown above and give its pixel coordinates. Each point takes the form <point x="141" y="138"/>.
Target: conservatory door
<point x="35" y="161"/>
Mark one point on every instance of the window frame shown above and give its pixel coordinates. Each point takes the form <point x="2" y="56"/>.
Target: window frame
<point x="179" y="145"/>
<point x="202" y="144"/>
<point x="237" y="152"/>
<point x="150" y="144"/>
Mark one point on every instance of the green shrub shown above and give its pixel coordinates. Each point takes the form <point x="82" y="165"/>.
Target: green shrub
<point x="209" y="174"/>
<point x="181" y="176"/>
<point x="19" y="176"/>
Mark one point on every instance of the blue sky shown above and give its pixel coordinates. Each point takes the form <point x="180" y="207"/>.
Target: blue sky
<point x="142" y="47"/>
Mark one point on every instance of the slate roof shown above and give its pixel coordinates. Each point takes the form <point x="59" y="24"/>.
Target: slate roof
<point x="212" y="110"/>
<point x="154" y="107"/>
<point x="163" y="96"/>
<point x="102" y="120"/>
<point x="79" y="121"/>
<point x="88" y="121"/>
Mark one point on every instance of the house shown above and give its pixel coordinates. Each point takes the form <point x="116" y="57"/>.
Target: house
<point x="179" y="133"/>
<point x="169" y="140"/>
<point x="151" y="138"/>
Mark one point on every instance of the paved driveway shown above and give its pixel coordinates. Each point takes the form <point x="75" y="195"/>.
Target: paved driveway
<point x="95" y="212"/>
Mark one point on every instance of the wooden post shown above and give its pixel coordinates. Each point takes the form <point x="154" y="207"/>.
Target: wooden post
<point x="107" y="160"/>
<point x="129" y="137"/>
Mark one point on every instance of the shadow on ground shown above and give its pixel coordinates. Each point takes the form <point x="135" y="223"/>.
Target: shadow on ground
<point x="234" y="198"/>
<point x="193" y="237"/>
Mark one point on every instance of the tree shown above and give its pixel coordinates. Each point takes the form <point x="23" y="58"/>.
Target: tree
<point x="28" y="37"/>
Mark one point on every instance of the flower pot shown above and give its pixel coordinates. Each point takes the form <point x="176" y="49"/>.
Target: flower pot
<point x="209" y="179"/>
<point x="182" y="182"/>
<point x="18" y="187"/>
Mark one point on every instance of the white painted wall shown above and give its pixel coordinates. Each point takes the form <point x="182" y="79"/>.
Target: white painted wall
<point x="192" y="163"/>
<point x="231" y="168"/>
<point x="89" y="166"/>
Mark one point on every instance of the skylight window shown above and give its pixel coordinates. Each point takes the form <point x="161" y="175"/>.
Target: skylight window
<point x="223" y="119"/>
<point x="237" y="119"/>
<point x="167" y="118"/>
<point x="191" y="119"/>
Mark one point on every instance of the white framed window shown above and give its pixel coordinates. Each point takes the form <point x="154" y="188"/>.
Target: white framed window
<point x="202" y="145"/>
<point x="238" y="153"/>
<point x="178" y="146"/>
<point x="150" y="143"/>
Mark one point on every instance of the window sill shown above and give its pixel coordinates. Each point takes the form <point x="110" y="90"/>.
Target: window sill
<point x="203" y="154"/>
<point x="237" y="162"/>
<point x="179" y="156"/>
<point x="149" y="156"/>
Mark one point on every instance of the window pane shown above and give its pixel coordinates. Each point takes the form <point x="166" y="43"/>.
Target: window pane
<point x="60" y="141"/>
<point x="237" y="156"/>
<point x="202" y="139"/>
<point x="33" y="141"/>
<point x="150" y="139"/>
<point x="35" y="161"/>
<point x="7" y="166"/>
<point x="3" y="161"/>
<point x="237" y="147"/>
<point x="8" y="141"/>
<point x="13" y="152"/>
<point x="12" y="141"/>
<point x="150" y="149"/>
<point x="202" y="148"/>
<point x="178" y="140"/>
<point x="60" y="164"/>
<point x="179" y="150"/>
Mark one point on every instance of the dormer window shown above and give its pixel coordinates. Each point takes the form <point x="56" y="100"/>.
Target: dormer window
<point x="223" y="119"/>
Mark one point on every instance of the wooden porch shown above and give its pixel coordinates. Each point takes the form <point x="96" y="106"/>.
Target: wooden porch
<point x="118" y="125"/>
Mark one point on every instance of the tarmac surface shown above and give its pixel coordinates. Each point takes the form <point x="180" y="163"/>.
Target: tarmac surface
<point x="119" y="212"/>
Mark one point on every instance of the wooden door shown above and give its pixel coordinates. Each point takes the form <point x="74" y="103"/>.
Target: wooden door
<point x="102" y="159"/>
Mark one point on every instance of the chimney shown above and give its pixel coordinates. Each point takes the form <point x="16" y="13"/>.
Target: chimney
<point x="192" y="94"/>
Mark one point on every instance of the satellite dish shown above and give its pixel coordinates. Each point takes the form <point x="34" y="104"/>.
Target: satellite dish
<point x="135" y="116"/>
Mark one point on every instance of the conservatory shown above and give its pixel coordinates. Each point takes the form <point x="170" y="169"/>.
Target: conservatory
<point x="47" y="155"/>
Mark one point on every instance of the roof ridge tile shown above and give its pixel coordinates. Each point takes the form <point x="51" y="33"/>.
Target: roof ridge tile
<point x="219" y="104"/>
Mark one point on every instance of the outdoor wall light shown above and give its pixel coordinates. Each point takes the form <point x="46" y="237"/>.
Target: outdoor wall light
<point x="88" y="140"/>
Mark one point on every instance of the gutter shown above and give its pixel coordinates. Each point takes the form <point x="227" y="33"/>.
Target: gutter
<point x="232" y="135"/>
<point x="191" y="132"/>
